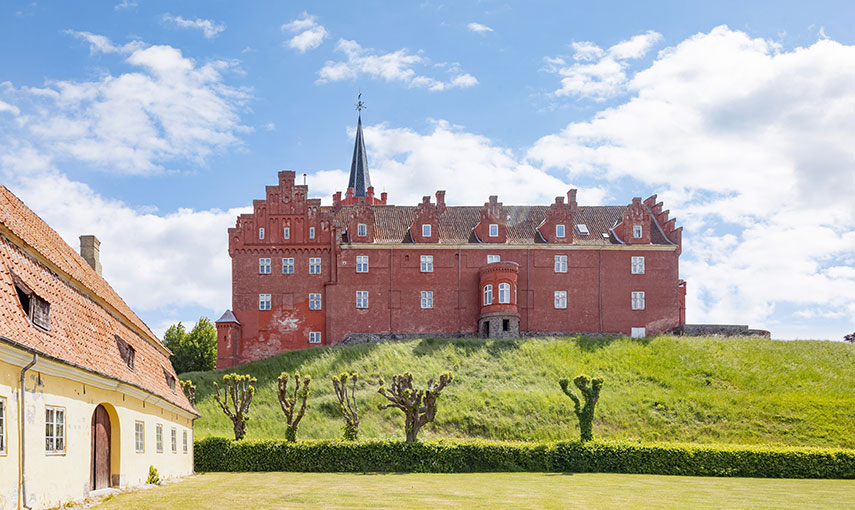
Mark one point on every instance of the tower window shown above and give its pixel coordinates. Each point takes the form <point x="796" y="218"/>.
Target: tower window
<point x="261" y="233"/>
<point x="488" y="294"/>
<point x="264" y="266"/>
<point x="286" y="233"/>
<point x="287" y="265"/>
<point x="314" y="265"/>
<point x="311" y="232"/>
<point x="504" y="293"/>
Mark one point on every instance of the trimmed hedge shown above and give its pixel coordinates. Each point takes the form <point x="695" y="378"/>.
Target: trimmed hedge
<point x="466" y="456"/>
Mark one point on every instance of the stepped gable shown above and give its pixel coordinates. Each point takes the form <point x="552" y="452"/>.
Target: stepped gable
<point x="88" y="322"/>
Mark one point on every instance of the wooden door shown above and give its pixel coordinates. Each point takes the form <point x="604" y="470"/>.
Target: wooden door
<point x="100" y="448"/>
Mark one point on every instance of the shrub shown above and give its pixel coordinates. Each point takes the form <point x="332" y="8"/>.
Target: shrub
<point x="849" y="338"/>
<point x="153" y="477"/>
<point x="240" y="388"/>
<point x="419" y="406"/>
<point x="193" y="351"/>
<point x="585" y="413"/>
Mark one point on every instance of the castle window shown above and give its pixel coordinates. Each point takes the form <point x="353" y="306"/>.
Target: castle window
<point x="427" y="263"/>
<point x="362" y="230"/>
<point x="427" y="299"/>
<point x="286" y="233"/>
<point x="504" y="293"/>
<point x="314" y="337"/>
<point x="637" y="265"/>
<point x="492" y="259"/>
<point x="560" y="299"/>
<point x="185" y="441"/>
<point x="261" y="233"/>
<point x="264" y="301"/>
<point x="636" y="231"/>
<point x="139" y="436"/>
<point x="638" y="300"/>
<point x="174" y="440"/>
<point x="494" y="230"/>
<point x="287" y="265"/>
<point x="314" y="265"/>
<point x="426" y="230"/>
<point x="126" y="352"/>
<point x="362" y="263"/>
<point x="54" y="430"/>
<point x="582" y="229"/>
<point x="314" y="301"/>
<point x="561" y="263"/>
<point x="559" y="231"/>
<point x="158" y="436"/>
<point x="264" y="266"/>
<point x="2" y="425"/>
<point x="638" y="332"/>
<point x="311" y="232"/>
<point x="362" y="299"/>
<point x="488" y="295"/>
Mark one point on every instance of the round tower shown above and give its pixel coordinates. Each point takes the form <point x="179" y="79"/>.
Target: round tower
<point x="500" y="317"/>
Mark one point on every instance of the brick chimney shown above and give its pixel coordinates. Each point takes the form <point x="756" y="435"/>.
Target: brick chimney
<point x="90" y="250"/>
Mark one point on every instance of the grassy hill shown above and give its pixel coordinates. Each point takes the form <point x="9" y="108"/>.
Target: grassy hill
<point x="676" y="389"/>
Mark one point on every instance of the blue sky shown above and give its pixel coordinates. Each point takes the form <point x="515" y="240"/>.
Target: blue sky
<point x="152" y="124"/>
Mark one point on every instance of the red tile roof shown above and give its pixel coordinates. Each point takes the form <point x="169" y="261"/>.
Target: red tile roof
<point x="86" y="314"/>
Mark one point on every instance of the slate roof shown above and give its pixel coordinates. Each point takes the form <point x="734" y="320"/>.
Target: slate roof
<point x="359" y="180"/>
<point x="83" y="329"/>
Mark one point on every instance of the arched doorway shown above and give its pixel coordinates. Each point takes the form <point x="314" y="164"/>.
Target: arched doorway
<point x="101" y="439"/>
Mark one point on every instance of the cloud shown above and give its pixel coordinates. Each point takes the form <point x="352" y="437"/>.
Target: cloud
<point x="209" y="28"/>
<point x="751" y="146"/>
<point x="478" y="28"/>
<point x="6" y="107"/>
<point x="394" y="66"/>
<point x="173" y="109"/>
<point x="125" y="4"/>
<point x="596" y="73"/>
<point x="309" y="36"/>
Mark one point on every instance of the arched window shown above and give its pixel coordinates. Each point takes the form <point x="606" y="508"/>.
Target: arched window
<point x="488" y="295"/>
<point x="504" y="293"/>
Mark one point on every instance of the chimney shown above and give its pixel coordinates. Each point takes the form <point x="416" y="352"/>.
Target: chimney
<point x="90" y="250"/>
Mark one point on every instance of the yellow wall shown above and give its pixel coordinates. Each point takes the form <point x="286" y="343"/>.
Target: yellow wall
<point x="54" y="479"/>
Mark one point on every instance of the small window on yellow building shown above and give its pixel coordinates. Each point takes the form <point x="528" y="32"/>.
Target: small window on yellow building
<point x="174" y="440"/>
<point x="139" y="436"/>
<point x="185" y="441"/>
<point x="158" y="435"/>
<point x="2" y="426"/>
<point x="54" y="430"/>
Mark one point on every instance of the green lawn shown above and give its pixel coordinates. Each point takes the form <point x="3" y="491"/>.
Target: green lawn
<point x="691" y="390"/>
<point x="485" y="491"/>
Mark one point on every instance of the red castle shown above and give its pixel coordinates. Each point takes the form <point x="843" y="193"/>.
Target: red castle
<point x="304" y="274"/>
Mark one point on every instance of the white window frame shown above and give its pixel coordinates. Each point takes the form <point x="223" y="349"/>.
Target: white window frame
<point x="139" y="436"/>
<point x="560" y="300"/>
<point x="158" y="437"/>
<point x="264" y="302"/>
<point x="311" y="232"/>
<point x="504" y="293"/>
<point x="287" y="265"/>
<point x="494" y="230"/>
<point x="260" y="233"/>
<point x="492" y="259"/>
<point x="560" y="231"/>
<point x="488" y="294"/>
<point x="638" y="332"/>
<point x="638" y="300"/>
<point x="362" y="299"/>
<point x="426" y="230"/>
<point x="362" y="263"/>
<point x="637" y="265"/>
<point x="2" y="425"/>
<point x="314" y="337"/>
<point x="286" y="233"/>
<point x="561" y="263"/>
<point x="264" y="265"/>
<point x="426" y="263"/>
<point x="314" y="265"/>
<point x="637" y="231"/>
<point x="55" y="430"/>
<point x="361" y="230"/>
<point x="582" y="229"/>
<point x="315" y="302"/>
<point x="186" y="443"/>
<point x="174" y="438"/>
<point x="427" y="299"/>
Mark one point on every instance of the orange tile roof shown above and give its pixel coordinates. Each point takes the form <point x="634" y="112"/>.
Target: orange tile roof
<point x="85" y="312"/>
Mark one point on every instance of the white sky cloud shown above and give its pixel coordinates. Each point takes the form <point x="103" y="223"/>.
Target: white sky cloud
<point x="125" y="4"/>
<point x="394" y="66"/>
<point x="309" y="34"/>
<point x="478" y="28"/>
<point x="209" y="28"/>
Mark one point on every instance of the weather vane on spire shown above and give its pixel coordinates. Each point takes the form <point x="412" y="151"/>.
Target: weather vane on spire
<point x="360" y="105"/>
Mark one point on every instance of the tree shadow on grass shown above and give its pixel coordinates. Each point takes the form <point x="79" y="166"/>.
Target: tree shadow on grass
<point x="466" y="345"/>
<point x="592" y="343"/>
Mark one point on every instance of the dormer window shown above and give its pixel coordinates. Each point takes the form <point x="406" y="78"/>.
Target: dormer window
<point x="582" y="229"/>
<point x="35" y="308"/>
<point x="286" y="233"/>
<point x="426" y="230"/>
<point x="170" y="380"/>
<point x="494" y="230"/>
<point x="126" y="352"/>
<point x="636" y="231"/>
<point x="261" y="234"/>
<point x="559" y="231"/>
<point x="311" y="232"/>
<point x="362" y="230"/>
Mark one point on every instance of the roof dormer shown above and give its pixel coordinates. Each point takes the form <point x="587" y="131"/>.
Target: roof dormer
<point x="493" y="225"/>
<point x="425" y="226"/>
<point x="558" y="226"/>
<point x="635" y="226"/>
<point x="360" y="225"/>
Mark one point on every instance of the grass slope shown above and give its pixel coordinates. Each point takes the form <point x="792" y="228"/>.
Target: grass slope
<point x="702" y="390"/>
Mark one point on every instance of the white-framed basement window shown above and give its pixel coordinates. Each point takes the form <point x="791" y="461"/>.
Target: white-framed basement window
<point x="139" y="436"/>
<point x="639" y="332"/>
<point x="314" y="337"/>
<point x="54" y="429"/>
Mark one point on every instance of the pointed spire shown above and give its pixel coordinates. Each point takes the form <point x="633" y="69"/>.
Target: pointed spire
<point x="359" y="180"/>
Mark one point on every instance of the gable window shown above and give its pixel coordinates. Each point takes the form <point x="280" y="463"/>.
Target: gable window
<point x="504" y="293"/>
<point x="286" y="233"/>
<point x="494" y="230"/>
<point x="314" y="337"/>
<point x="126" y="352"/>
<point x="264" y="266"/>
<point x="158" y="437"/>
<point x="314" y="301"/>
<point x="561" y="263"/>
<point x="54" y="430"/>
<point x="139" y="436"/>
<point x="288" y="265"/>
<point x="185" y="441"/>
<point x="362" y="299"/>
<point x="170" y="380"/>
<point x="311" y="232"/>
<point x="2" y="425"/>
<point x="361" y="230"/>
<point x="559" y="231"/>
<point x="636" y="231"/>
<point x="637" y="265"/>
<point x="426" y="231"/>
<point x="261" y="233"/>
<point x="427" y="263"/>
<point x="362" y="263"/>
<point x="492" y="259"/>
<point x="315" y="265"/>
<point x="488" y="294"/>
<point x="174" y="440"/>
<point x="35" y="308"/>
<point x="264" y="301"/>
<point x="560" y="299"/>
<point x="427" y="299"/>
<point x="638" y="300"/>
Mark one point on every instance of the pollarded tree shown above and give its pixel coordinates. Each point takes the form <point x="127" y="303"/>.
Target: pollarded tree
<point x="419" y="406"/>
<point x="289" y="404"/>
<point x="347" y="404"/>
<point x="189" y="390"/>
<point x="241" y="390"/>
<point x="585" y="413"/>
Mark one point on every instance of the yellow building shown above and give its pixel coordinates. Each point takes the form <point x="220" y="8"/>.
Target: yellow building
<point x="88" y="397"/>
